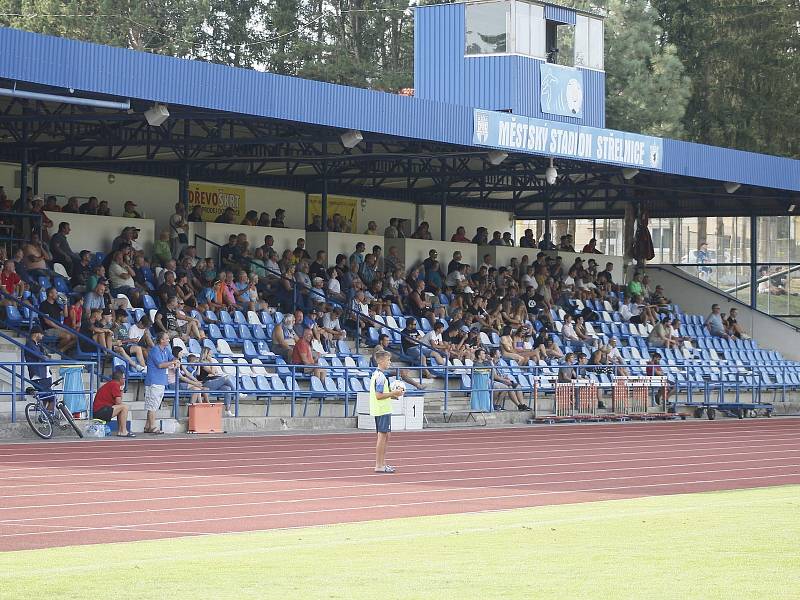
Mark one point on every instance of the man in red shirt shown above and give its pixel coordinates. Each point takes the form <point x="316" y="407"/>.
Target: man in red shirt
<point x="10" y="279"/>
<point x="108" y="403"/>
<point x="304" y="355"/>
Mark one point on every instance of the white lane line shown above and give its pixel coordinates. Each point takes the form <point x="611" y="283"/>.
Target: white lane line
<point x="172" y="509"/>
<point x="701" y="446"/>
<point x="187" y="465"/>
<point x="373" y="507"/>
<point x="414" y="482"/>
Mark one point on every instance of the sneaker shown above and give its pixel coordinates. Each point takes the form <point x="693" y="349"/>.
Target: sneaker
<point x="498" y="408"/>
<point x="139" y="368"/>
<point x="229" y="413"/>
<point x="523" y="407"/>
<point x="242" y="396"/>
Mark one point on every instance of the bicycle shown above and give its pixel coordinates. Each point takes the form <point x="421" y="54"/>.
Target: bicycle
<point x="43" y="420"/>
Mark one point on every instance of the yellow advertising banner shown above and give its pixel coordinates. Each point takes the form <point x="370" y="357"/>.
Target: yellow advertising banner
<point x="216" y="198"/>
<point x="343" y="205"/>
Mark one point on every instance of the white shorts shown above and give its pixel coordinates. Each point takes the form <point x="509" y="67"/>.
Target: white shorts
<point x="153" y="395"/>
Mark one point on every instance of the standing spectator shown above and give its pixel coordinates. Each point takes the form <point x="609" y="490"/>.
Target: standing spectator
<point x="51" y="204"/>
<point x="546" y="244"/>
<point x="318" y="267"/>
<point x="158" y="361"/>
<point x="89" y="207"/>
<point x="178" y="229"/>
<point x="130" y="211"/>
<point x="120" y="275"/>
<point x="277" y="221"/>
<point x="316" y="224"/>
<point x="507" y="239"/>
<point x="392" y="231"/>
<point x="162" y="251"/>
<point x="108" y="404"/>
<point x="454" y="264"/>
<point x="60" y="249"/>
<point x="653" y="369"/>
<point x="497" y="239"/>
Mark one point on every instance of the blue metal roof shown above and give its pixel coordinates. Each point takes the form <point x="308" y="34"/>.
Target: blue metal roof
<point x="91" y="68"/>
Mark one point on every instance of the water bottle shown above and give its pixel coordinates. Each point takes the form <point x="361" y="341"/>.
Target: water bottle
<point x="107" y="429"/>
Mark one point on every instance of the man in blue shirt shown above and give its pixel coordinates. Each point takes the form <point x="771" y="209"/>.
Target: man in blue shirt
<point x="158" y="361"/>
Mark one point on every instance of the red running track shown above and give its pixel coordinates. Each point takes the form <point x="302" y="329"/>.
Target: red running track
<point x="65" y="493"/>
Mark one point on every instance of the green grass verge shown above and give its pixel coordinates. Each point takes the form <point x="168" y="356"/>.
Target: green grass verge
<point x="739" y="544"/>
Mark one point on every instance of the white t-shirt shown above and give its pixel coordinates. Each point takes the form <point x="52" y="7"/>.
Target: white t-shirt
<point x="176" y="222"/>
<point x="432" y="338"/>
<point x="334" y="286"/>
<point x="568" y="332"/>
<point x="135" y="332"/>
<point x="119" y="276"/>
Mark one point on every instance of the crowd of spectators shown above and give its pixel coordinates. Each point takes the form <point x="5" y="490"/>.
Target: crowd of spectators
<point x="461" y="306"/>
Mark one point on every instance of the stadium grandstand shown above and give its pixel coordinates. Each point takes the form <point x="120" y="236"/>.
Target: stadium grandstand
<point x="178" y="236"/>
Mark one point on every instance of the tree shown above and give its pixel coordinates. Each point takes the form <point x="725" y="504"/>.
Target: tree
<point x="647" y="90"/>
<point x="745" y="66"/>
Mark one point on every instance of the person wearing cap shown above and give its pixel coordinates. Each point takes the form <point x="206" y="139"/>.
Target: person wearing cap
<point x="130" y="211"/>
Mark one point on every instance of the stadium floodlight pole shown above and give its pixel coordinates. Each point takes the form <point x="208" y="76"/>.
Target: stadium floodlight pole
<point x="26" y="95"/>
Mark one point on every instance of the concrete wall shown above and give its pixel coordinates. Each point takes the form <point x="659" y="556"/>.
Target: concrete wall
<point x="340" y="243"/>
<point x="96" y="233"/>
<point x="413" y="252"/>
<point x="217" y="232"/>
<point x="469" y="218"/>
<point x="568" y="258"/>
<point x="696" y="297"/>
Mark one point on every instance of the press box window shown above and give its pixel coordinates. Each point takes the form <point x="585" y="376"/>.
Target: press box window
<point x="487" y="26"/>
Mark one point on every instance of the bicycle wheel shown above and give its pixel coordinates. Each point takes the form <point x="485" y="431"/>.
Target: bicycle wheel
<point x="39" y="421"/>
<point x="68" y="416"/>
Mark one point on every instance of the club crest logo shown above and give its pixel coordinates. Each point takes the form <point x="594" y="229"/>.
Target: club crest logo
<point x="481" y="128"/>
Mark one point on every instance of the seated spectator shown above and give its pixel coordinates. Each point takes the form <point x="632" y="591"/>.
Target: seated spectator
<point x="527" y="240"/>
<point x="635" y="287"/>
<point x="566" y="244"/>
<point x="481" y="237"/>
<point x="108" y="403"/>
<point x="410" y="337"/>
<point x="591" y="247"/>
<point x="567" y="374"/>
<point x="504" y="385"/>
<point x="497" y="239"/>
<point x="507" y="239"/>
<point x="11" y="281"/>
<point x="733" y="327"/>
<point x="250" y="218"/>
<point x="124" y="345"/>
<point x="36" y="356"/>
<point x="278" y="220"/>
<point x="140" y="334"/>
<point x="94" y="327"/>
<point x="71" y="206"/>
<point x="659" y="337"/>
<point x="103" y="210"/>
<point x="372" y="228"/>
<point x="302" y="354"/>
<point x="89" y="207"/>
<point x="637" y="313"/>
<point x="196" y="214"/>
<point x="546" y="244"/>
<point x="460" y="236"/>
<point x="284" y="338"/>
<point x="227" y="216"/>
<point x="653" y="369"/>
<point x="55" y="313"/>
<point x="214" y="379"/>
<point x="166" y="320"/>
<point x="35" y="257"/>
<point x="130" y="212"/>
<point x="422" y="232"/>
<point x="179" y="377"/>
<point x="714" y="323"/>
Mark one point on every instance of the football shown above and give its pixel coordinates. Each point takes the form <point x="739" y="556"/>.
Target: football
<point x="398" y="385"/>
